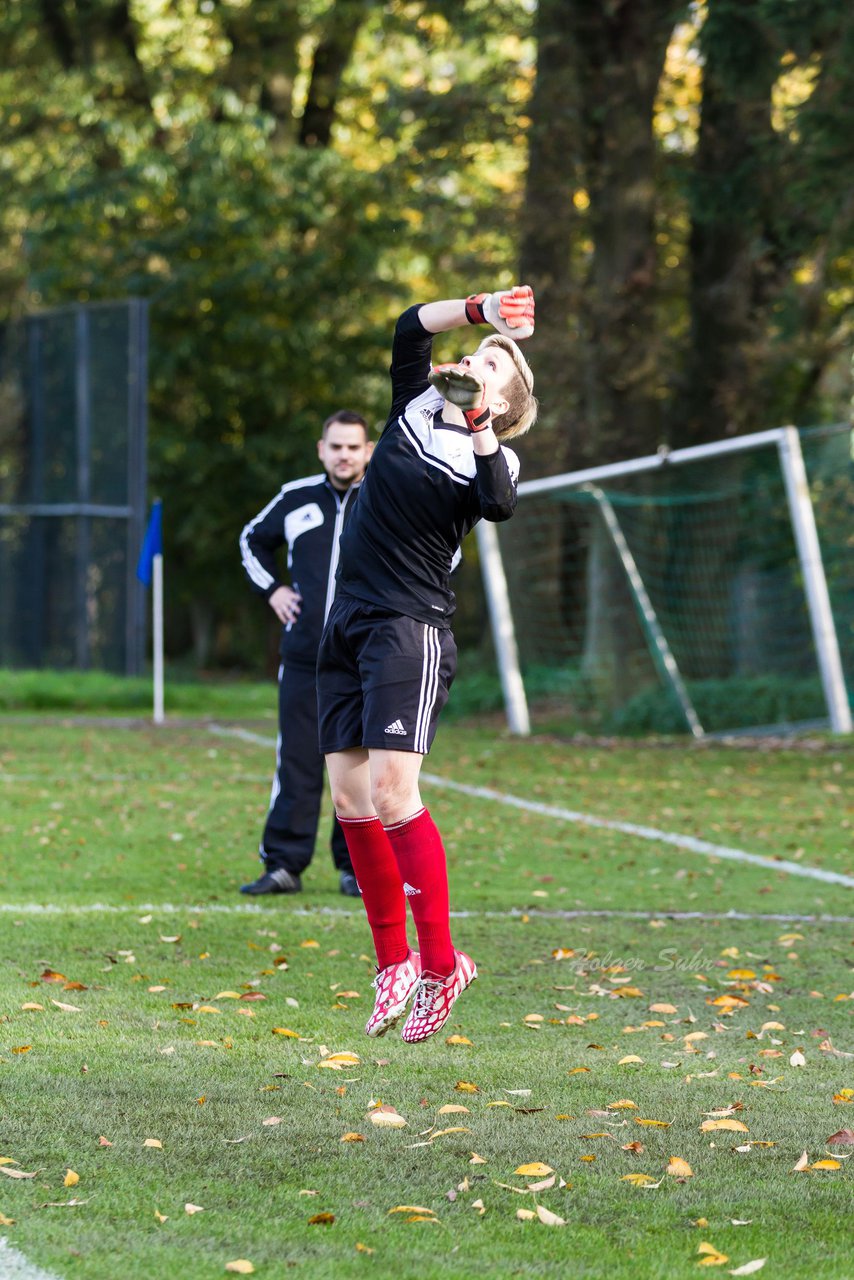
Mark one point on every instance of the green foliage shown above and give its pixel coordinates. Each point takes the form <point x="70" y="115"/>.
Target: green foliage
<point x="723" y="704"/>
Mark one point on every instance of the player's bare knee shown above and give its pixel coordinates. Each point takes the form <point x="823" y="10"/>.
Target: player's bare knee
<point x="393" y="794"/>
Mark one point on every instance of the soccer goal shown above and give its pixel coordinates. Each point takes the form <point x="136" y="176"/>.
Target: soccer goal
<point x="704" y="590"/>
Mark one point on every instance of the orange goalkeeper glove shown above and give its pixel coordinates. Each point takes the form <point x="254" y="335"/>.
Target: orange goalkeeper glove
<point x="510" y="311"/>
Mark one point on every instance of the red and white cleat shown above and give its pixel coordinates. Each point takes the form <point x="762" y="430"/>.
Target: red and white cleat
<point x="394" y="985"/>
<point x="435" y="998"/>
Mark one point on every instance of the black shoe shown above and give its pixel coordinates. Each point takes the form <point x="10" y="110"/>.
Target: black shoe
<point x="280" y="880"/>
<point x="349" y="885"/>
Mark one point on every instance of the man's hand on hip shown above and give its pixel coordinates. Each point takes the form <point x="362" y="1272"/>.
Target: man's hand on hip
<point x="285" y="604"/>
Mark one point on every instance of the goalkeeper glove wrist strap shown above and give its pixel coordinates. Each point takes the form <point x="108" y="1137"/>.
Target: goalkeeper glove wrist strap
<point x="478" y="419"/>
<point x="474" y="308"/>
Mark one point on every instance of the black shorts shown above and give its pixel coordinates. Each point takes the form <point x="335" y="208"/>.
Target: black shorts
<point x="382" y="679"/>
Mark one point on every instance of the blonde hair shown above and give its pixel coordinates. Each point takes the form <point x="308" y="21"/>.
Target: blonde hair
<point x="521" y="413"/>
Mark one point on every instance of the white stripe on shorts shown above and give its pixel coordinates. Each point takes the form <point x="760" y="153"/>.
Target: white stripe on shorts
<point x="429" y="687"/>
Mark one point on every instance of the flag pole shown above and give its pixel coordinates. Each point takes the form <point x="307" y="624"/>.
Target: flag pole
<point x="150" y="571"/>
<point x="157" y="635"/>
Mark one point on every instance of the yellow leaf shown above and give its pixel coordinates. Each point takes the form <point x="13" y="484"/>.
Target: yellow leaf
<point x="309" y="942"/>
<point x="411" y="1208"/>
<point x="227" y="995"/>
<point x="71" y="1178"/>
<point x="743" y="975"/>
<point x="153" y="1142"/>
<point x="30" y="1006"/>
<point x="465" y="1086"/>
<point x="826" y="1164"/>
<point x="660" y="1124"/>
<point x="321" y="1219"/>
<point x="443" y="1132"/>
<point x="679" y="1168"/>
<point x="710" y="1126"/>
<point x="161" y="1217"/>
<point x="525" y="1215"/>
<point x="451" y="1109"/>
<point x="6" y="1222"/>
<point x="22" y="1048"/>
<point x="338" y="1061"/>
<point x="638" y="1179"/>
<point x="242" y="1266"/>
<point x="574" y="1071"/>
<point x="533" y="1017"/>
<point x="535" y="1170"/>
<point x="7" y="1160"/>
<point x="632" y="1057"/>
<point x="362" y="1248"/>
<point x="622" y="1105"/>
<point x="629" y="991"/>
<point x="353" y="1137"/>
<point x="663" y="1008"/>
<point x="193" y="1208"/>
<point x="587" y="1159"/>
<point x="501" y="1103"/>
<point x="712" y="1257"/>
<point x="476" y="1159"/>
<point x="457" y="1040"/>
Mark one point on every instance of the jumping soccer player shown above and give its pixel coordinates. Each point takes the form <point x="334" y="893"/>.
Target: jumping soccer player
<point x="307" y="516"/>
<point x="387" y="656"/>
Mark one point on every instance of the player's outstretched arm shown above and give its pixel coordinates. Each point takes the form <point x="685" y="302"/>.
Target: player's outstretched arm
<point x="509" y="311"/>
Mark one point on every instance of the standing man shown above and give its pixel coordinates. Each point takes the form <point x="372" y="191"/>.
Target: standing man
<point x="308" y="516"/>
<point x="387" y="657"/>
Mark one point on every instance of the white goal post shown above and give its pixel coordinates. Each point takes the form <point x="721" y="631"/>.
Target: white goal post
<point x="787" y="442"/>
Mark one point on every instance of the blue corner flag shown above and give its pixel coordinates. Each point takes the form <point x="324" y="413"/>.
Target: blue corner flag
<point x="152" y="543"/>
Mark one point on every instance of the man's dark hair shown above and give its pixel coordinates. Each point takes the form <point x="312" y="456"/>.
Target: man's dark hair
<point x="348" y="419"/>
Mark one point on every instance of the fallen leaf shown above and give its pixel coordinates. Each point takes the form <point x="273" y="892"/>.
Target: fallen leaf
<point x="338" y="1061"/>
<point x="22" y="1048"/>
<point x="458" y="1040"/>
<point x="451" y="1109"/>
<point x="193" y="1208"/>
<point x="661" y="1124"/>
<point x="15" y="1173"/>
<point x="411" y="1208"/>
<point x="842" y="1138"/>
<point x="632" y="1057"/>
<point x="537" y="1169"/>
<point x="713" y="1257"/>
<point x="321" y="1219"/>
<point x="544" y="1185"/>
<point x="548" y="1218"/>
<point x="444" y="1132"/>
<point x="639" y="1179"/>
<point x="711" y="1126"/>
<point x="32" y="1007"/>
<point x="153" y="1142"/>
<point x="622" y="1105"/>
<point x="826" y="1164"/>
<point x="476" y="1159"/>
<point x="71" y="1178"/>
<point x="525" y="1215"/>
<point x="663" y="1008"/>
<point x="802" y="1163"/>
<point x="271" y="1120"/>
<point x="285" y="1031"/>
<point x="479" y="1205"/>
<point x="386" y="1117"/>
<point x="362" y="1248"/>
<point x="161" y="1217"/>
<point x="797" y="1059"/>
<point x="749" y="1267"/>
<point x="679" y="1168"/>
<point x="636" y="1147"/>
<point x="50" y="975"/>
<point x="104" y="1142"/>
<point x="242" y="1266"/>
<point x="465" y="1086"/>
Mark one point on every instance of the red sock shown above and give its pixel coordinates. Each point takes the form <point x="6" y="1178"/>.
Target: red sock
<point x="420" y="856"/>
<point x="382" y="888"/>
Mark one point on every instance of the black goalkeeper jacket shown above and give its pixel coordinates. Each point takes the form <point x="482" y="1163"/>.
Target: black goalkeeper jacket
<point x="307" y="516"/>
<point x="424" y="490"/>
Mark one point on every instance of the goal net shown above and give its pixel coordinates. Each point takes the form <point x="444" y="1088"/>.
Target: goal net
<point x="680" y="594"/>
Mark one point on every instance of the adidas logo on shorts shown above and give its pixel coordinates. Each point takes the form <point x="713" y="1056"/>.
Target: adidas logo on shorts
<point x="408" y="889"/>
<point x="396" y="727"/>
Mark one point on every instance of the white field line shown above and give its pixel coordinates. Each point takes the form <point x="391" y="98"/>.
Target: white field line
<point x="14" y="1266"/>
<point x="272" y="912"/>
<point x="691" y="843"/>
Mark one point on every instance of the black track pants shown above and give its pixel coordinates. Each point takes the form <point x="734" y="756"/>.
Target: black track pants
<point x="291" y="827"/>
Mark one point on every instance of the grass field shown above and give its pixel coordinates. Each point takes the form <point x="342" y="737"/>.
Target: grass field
<point x="161" y="1002"/>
